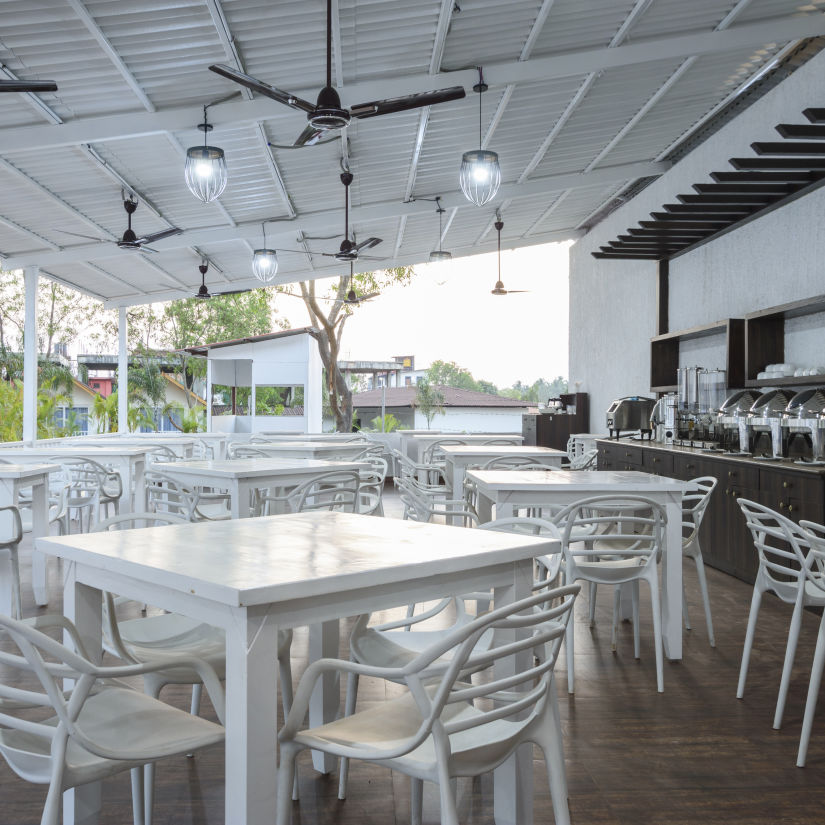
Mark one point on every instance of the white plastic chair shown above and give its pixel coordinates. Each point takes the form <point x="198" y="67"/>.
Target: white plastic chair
<point x="784" y="561"/>
<point x="10" y="537"/>
<point x="235" y="450"/>
<point x="166" y="494"/>
<point x="816" y="577"/>
<point x="694" y="507"/>
<point x="615" y="540"/>
<point x="100" y="727"/>
<point x="585" y="461"/>
<point x="371" y="486"/>
<point x="335" y="490"/>
<point x="420" y="505"/>
<point x="445" y="726"/>
<point x="405" y="468"/>
<point x="549" y="565"/>
<point x="514" y="462"/>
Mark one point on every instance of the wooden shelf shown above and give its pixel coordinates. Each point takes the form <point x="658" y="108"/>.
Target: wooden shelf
<point x="790" y="381"/>
<point x="664" y="353"/>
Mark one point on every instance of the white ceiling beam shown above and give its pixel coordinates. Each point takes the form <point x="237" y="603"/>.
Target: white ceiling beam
<point x="547" y="213"/>
<point x="28" y="233"/>
<point x="337" y="52"/>
<point x="282" y="232"/>
<point x="335" y="272"/>
<point x="89" y="22"/>
<point x="637" y="11"/>
<point x="234" y="113"/>
<point x="32" y="99"/>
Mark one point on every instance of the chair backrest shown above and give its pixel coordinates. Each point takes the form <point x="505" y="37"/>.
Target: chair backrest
<point x="11" y="526"/>
<point x="513" y="462"/>
<point x="816" y="569"/>
<point x="783" y="549"/>
<point x="335" y="490"/>
<point x="246" y="451"/>
<point x="129" y="521"/>
<point x="529" y="526"/>
<point x="585" y="461"/>
<point x="436" y="676"/>
<point x="167" y="495"/>
<point x="433" y="453"/>
<point x="505" y="441"/>
<point x="160" y="453"/>
<point x="695" y="504"/>
<point x="618" y="526"/>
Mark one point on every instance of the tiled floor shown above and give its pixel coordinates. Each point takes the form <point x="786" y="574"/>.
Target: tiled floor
<point x="694" y="754"/>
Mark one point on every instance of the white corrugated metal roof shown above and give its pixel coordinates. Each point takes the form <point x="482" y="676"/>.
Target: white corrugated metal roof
<point x="571" y="126"/>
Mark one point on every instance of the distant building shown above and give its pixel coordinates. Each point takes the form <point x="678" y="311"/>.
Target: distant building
<point x="464" y="410"/>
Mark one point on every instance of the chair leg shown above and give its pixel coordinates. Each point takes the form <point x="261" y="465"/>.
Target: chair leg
<point x="446" y="790"/>
<point x="349" y="709"/>
<point x="657" y="630"/>
<point x="813" y="693"/>
<point x="286" y="779"/>
<point x="148" y="791"/>
<point x="685" y="611"/>
<point x="756" y="601"/>
<point x="552" y="747"/>
<point x="16" y="601"/>
<point x="416" y="800"/>
<point x="703" y="586"/>
<point x="790" y="655"/>
<point x="137" y="796"/>
<point x="614" y="638"/>
<point x="592" y="597"/>
<point x="195" y="706"/>
<point x="568" y="645"/>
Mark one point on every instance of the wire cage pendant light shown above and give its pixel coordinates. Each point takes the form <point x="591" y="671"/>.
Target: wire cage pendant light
<point x="480" y="174"/>
<point x="264" y="261"/>
<point x="440" y="254"/>
<point x="205" y="167"/>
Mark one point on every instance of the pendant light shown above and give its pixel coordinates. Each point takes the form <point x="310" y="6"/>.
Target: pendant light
<point x="205" y="168"/>
<point x="264" y="261"/>
<point x="203" y="292"/>
<point x="480" y="174"/>
<point x="439" y="254"/>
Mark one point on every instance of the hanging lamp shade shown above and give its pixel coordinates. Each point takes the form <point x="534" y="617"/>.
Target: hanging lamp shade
<point x="264" y="264"/>
<point x="480" y="175"/>
<point x="205" y="172"/>
<point x="440" y="254"/>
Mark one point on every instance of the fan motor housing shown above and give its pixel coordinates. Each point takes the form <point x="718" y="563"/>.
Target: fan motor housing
<point x="328" y="113"/>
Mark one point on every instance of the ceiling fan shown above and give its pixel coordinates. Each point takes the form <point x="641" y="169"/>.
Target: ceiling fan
<point x="352" y="298"/>
<point x="499" y="289"/>
<point x="349" y="249"/>
<point x="130" y="240"/>
<point x="327" y="113"/>
<point x="203" y="292"/>
<point x="31" y="86"/>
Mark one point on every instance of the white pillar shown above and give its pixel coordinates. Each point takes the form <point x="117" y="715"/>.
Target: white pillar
<point x="31" y="277"/>
<point x="122" y="372"/>
<point x="209" y="395"/>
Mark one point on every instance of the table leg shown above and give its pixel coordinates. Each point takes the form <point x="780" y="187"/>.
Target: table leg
<point x="672" y="579"/>
<point x="513" y="780"/>
<point x="235" y="504"/>
<point x="485" y="508"/>
<point x="245" y="499"/>
<point x="251" y="717"/>
<point x="82" y="604"/>
<point x="139" y="493"/>
<point x="40" y="527"/>
<point x="455" y="473"/>
<point x="325" y="703"/>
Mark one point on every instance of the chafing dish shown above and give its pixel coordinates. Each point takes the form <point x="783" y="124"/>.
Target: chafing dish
<point x="734" y="409"/>
<point x="805" y="414"/>
<point x="765" y="416"/>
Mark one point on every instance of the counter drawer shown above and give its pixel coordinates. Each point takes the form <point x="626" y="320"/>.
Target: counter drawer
<point x="658" y="462"/>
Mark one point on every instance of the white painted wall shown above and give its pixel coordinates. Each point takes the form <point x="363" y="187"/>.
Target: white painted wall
<point x="772" y="260"/>
<point x="474" y="420"/>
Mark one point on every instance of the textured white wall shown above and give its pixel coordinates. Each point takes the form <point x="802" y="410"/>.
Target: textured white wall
<point x="772" y="260"/>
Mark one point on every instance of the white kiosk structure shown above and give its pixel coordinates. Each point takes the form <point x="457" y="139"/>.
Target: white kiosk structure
<point x="287" y="361"/>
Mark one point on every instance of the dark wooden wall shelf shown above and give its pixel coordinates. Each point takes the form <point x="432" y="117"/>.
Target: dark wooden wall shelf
<point x="664" y="353"/>
<point x="765" y="341"/>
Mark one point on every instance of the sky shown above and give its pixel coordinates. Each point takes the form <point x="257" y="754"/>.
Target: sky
<point x="448" y="313"/>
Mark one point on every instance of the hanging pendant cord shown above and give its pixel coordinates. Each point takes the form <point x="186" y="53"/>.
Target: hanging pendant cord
<point x="329" y="42"/>
<point x="480" y="81"/>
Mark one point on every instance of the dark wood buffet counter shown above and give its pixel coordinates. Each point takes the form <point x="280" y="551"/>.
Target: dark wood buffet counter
<point x="792" y="489"/>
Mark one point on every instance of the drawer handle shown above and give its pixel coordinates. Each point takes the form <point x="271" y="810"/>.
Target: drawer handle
<point x="785" y="484"/>
<point x="781" y="505"/>
<point x="656" y="460"/>
<point x="734" y="494"/>
<point x="790" y="508"/>
<point x="689" y="466"/>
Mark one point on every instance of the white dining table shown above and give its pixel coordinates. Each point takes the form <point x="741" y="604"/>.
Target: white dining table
<point x="413" y="446"/>
<point x="251" y="577"/>
<point x="510" y="490"/>
<point x="309" y="449"/>
<point x="240" y="476"/>
<point x="459" y="456"/>
<point x="13" y="478"/>
<point x="129" y="461"/>
<point x="182" y="446"/>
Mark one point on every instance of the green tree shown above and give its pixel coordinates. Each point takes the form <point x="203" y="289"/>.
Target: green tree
<point x="328" y="325"/>
<point x="429" y="400"/>
<point x="389" y="425"/>
<point x="450" y="374"/>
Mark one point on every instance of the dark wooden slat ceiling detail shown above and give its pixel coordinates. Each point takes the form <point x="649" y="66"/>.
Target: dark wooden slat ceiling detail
<point x="779" y="172"/>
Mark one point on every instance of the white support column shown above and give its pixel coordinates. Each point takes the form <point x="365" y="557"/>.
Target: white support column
<point x="122" y="372"/>
<point x="209" y="395"/>
<point x="31" y="277"/>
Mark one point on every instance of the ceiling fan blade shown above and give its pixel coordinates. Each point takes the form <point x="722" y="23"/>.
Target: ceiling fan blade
<point x="78" y="235"/>
<point x="369" y="296"/>
<point x="370" y="258"/>
<point x="309" y="137"/>
<point x="401" y="104"/>
<point x="513" y="291"/>
<point x="159" y="236"/>
<point x="143" y="248"/>
<point x="369" y="243"/>
<point x="32" y="86"/>
<point x="263" y="88"/>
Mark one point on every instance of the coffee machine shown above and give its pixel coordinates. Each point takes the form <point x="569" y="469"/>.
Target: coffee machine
<point x="663" y="419"/>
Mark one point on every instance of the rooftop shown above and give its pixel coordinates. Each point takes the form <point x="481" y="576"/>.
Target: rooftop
<point x="453" y="397"/>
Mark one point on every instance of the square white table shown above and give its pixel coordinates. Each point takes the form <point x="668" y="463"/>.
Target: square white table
<point x="309" y="449"/>
<point x="181" y="445"/>
<point x="509" y="490"/>
<point x="252" y="576"/>
<point x="458" y="457"/>
<point x="129" y="461"/>
<point x="413" y="446"/>
<point x="13" y="478"/>
<point x="240" y="476"/>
